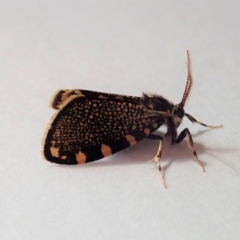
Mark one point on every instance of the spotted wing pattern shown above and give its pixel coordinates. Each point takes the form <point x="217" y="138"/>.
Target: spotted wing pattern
<point x="88" y="128"/>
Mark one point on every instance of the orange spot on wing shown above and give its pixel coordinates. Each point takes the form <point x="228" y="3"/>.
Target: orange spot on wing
<point x="131" y="139"/>
<point x="81" y="157"/>
<point x="106" y="150"/>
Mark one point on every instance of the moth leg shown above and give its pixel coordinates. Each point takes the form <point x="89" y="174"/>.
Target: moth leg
<point x="193" y="120"/>
<point x="181" y="136"/>
<point x="155" y="137"/>
<point x="157" y="158"/>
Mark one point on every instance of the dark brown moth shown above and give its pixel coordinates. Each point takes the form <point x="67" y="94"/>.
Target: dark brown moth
<point x="92" y="125"/>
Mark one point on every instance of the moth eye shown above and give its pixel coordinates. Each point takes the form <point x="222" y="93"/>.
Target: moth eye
<point x="179" y="112"/>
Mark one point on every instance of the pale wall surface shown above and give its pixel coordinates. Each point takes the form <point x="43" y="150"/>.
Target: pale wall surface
<point x="121" y="47"/>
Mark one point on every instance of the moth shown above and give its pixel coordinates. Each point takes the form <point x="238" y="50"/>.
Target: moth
<point x="92" y="125"/>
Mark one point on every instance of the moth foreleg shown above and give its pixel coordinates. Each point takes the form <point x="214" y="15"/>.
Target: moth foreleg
<point x="181" y="136"/>
<point x="192" y="119"/>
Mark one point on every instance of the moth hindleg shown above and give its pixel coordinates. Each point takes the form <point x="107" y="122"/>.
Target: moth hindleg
<point x="157" y="158"/>
<point x="155" y="137"/>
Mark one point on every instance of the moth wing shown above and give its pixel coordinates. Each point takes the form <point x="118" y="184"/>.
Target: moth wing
<point x="88" y="129"/>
